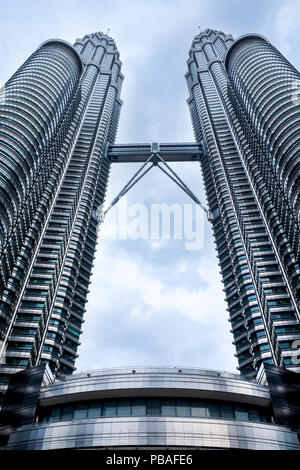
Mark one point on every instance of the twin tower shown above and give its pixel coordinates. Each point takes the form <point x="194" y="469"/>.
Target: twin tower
<point x="58" y="121"/>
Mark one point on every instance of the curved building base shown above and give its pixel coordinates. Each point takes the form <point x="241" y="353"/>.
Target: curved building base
<point x="154" y="408"/>
<point x="154" y="433"/>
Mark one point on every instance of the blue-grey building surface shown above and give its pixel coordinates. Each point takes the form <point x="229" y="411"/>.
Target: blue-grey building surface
<point x="58" y="120"/>
<point x="242" y="105"/>
<point x="154" y="407"/>
<point x="58" y="112"/>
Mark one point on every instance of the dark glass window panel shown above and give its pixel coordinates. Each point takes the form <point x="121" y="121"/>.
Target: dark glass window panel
<point x="198" y="409"/>
<point x="226" y="411"/>
<point x="80" y="411"/>
<point x="124" y="408"/>
<point x="55" y="414"/>
<point x="153" y="407"/>
<point x="254" y="415"/>
<point x="213" y="410"/>
<point x="183" y="408"/>
<point x="94" y="410"/>
<point x="138" y="407"/>
<point x="67" y="413"/>
<point x="110" y="408"/>
<point x="168" y="408"/>
<point x="241" y="413"/>
<point x="263" y="417"/>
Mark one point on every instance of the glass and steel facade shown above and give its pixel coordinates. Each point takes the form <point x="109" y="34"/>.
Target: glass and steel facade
<point x="265" y="94"/>
<point x="268" y="90"/>
<point x="154" y="408"/>
<point x="256" y="263"/>
<point x="58" y="120"/>
<point x="57" y="115"/>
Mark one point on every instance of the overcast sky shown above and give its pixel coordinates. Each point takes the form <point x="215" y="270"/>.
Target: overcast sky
<point x="151" y="303"/>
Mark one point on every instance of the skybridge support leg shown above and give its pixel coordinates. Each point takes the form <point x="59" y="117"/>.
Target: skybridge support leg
<point x="155" y="158"/>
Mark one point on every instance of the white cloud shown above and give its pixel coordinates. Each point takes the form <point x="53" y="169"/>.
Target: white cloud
<point x="134" y="317"/>
<point x="287" y="20"/>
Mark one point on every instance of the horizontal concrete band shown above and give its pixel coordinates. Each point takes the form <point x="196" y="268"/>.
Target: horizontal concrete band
<point x="159" y="382"/>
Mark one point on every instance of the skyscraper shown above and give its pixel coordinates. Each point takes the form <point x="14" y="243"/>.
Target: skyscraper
<point x="252" y="197"/>
<point x="59" y="116"/>
<point x="58" y="112"/>
<point x="265" y="95"/>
